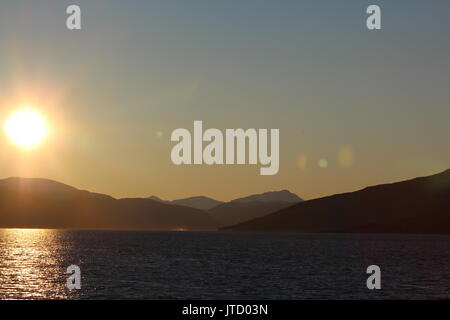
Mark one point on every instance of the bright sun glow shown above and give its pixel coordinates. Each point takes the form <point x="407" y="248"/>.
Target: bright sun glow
<point x="26" y="128"/>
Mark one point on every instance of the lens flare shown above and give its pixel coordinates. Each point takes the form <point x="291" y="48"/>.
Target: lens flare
<point x="346" y="157"/>
<point x="302" y="162"/>
<point x="323" y="163"/>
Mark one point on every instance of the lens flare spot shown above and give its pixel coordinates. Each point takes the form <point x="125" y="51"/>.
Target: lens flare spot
<point x="346" y="157"/>
<point x="302" y="162"/>
<point x="323" y="163"/>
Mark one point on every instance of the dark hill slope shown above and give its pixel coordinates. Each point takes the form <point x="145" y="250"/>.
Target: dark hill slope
<point x="42" y="203"/>
<point x="420" y="205"/>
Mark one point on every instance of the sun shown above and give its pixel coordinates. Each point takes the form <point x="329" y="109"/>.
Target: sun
<point x="26" y="128"/>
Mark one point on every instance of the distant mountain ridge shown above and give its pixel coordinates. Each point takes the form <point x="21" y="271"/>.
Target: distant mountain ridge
<point x="42" y="203"/>
<point x="420" y="205"/>
<point x="279" y="196"/>
<point x="254" y="206"/>
<point x="241" y="209"/>
<point x="199" y="202"/>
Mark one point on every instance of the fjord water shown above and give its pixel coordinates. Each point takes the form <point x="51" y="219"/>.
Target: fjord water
<point x="213" y="265"/>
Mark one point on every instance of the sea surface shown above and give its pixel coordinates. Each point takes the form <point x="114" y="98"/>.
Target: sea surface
<point x="214" y="265"/>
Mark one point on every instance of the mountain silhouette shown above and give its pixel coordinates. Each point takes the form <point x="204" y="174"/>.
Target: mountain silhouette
<point x="271" y="196"/>
<point x="200" y="202"/>
<point x="42" y="203"/>
<point x="247" y="208"/>
<point x="420" y="205"/>
<point x="241" y="209"/>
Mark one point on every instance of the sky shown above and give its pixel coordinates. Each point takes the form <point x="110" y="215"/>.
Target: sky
<point x="354" y="107"/>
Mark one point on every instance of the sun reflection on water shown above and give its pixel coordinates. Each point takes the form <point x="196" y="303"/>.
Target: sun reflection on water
<point x="31" y="264"/>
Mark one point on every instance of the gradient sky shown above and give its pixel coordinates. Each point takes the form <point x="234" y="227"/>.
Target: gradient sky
<point x="374" y="105"/>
